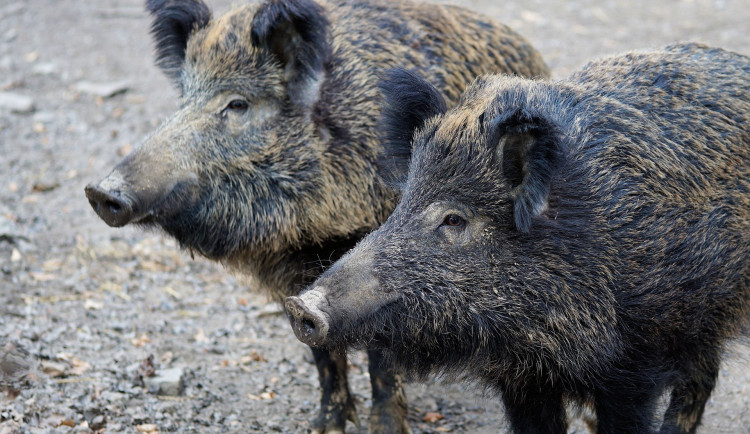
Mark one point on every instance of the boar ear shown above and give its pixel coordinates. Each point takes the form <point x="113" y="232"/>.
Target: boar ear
<point x="409" y="101"/>
<point x="173" y="21"/>
<point x="530" y="153"/>
<point x="296" y="32"/>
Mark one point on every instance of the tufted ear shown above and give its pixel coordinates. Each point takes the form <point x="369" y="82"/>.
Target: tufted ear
<point x="296" y="33"/>
<point x="409" y="101"/>
<point x="530" y="153"/>
<point x="173" y="21"/>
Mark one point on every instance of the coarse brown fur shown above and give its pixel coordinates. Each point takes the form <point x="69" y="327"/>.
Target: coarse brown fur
<point x="269" y="164"/>
<point x="586" y="240"/>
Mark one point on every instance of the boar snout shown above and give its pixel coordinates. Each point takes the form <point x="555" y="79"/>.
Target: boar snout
<point x="112" y="206"/>
<point x="310" y="324"/>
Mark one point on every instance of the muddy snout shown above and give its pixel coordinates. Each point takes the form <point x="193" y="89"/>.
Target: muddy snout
<point x="112" y="206"/>
<point x="309" y="323"/>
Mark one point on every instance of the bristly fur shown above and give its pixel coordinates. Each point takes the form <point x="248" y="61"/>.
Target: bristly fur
<point x="627" y="272"/>
<point x="171" y="27"/>
<point x="409" y="100"/>
<point x="269" y="164"/>
<point x="530" y="155"/>
<point x="297" y="32"/>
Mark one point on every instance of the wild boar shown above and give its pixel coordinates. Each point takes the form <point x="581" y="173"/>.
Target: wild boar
<point x="268" y="166"/>
<point x="583" y="241"/>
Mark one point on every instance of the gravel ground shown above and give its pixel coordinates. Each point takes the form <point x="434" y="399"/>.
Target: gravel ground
<point x="87" y="312"/>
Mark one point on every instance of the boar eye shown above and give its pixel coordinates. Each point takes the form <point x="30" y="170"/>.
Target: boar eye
<point x="237" y="105"/>
<point x="453" y="220"/>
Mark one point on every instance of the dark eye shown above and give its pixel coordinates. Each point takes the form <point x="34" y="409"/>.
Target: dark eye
<point x="237" y="105"/>
<point x="453" y="220"/>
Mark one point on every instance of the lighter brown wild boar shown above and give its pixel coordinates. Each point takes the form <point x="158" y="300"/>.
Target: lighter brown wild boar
<point x="268" y="166"/>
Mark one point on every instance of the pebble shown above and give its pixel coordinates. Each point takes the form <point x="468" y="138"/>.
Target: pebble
<point x="98" y="422"/>
<point x="102" y="90"/>
<point x="166" y="382"/>
<point x="45" y="117"/>
<point x="16" y="102"/>
<point x="45" y="68"/>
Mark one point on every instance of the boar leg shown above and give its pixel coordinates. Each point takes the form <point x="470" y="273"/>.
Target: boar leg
<point x="336" y="403"/>
<point x="690" y="394"/>
<point x="388" y="414"/>
<point x="535" y="409"/>
<point x="621" y="409"/>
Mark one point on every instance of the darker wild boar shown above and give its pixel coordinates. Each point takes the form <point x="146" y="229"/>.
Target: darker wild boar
<point x="268" y="166"/>
<point x="585" y="241"/>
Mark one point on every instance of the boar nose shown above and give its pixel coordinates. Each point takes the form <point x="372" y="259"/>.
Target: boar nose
<point x="309" y="323"/>
<point x="114" y="208"/>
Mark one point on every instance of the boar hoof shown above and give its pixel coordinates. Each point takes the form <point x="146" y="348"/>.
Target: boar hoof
<point x="334" y="421"/>
<point x="389" y="418"/>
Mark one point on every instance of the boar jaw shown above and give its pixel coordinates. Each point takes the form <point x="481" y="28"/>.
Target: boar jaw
<point x="346" y="294"/>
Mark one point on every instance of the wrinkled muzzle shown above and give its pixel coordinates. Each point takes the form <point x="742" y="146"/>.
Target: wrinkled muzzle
<point x="340" y="302"/>
<point x="310" y="324"/>
<point x="113" y="201"/>
<point x="139" y="186"/>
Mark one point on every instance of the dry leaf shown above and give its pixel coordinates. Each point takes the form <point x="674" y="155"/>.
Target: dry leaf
<point x="242" y="301"/>
<point x="166" y="358"/>
<point x="169" y="290"/>
<point x="252" y="357"/>
<point x="78" y="366"/>
<point x="52" y="265"/>
<point x="200" y="336"/>
<point x="91" y="304"/>
<point x="31" y="56"/>
<point x="42" y="277"/>
<point x="147" y="428"/>
<point x="54" y="369"/>
<point x="147" y="367"/>
<point x="141" y="341"/>
<point x="432" y="417"/>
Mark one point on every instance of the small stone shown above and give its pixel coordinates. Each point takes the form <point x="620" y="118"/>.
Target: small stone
<point x="83" y="428"/>
<point x="10" y="35"/>
<point x="102" y="90"/>
<point x="147" y="428"/>
<point x="98" y="422"/>
<point x="44" y="117"/>
<point x="166" y="382"/>
<point x="54" y="369"/>
<point x="44" y="68"/>
<point x="31" y="56"/>
<point x="16" y="103"/>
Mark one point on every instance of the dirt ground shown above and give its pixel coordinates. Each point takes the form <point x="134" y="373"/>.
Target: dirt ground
<point x="84" y="306"/>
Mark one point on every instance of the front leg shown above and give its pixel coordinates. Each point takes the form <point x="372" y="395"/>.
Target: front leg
<point x="693" y="387"/>
<point x="389" y="410"/>
<point x="336" y="403"/>
<point x="535" y="409"/>
<point x="624" y="409"/>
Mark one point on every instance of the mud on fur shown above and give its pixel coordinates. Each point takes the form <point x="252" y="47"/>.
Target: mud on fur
<point x="268" y="166"/>
<point x="583" y="241"/>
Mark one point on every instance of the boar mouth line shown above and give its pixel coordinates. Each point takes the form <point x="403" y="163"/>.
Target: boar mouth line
<point x="352" y="334"/>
